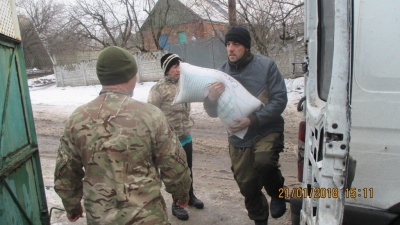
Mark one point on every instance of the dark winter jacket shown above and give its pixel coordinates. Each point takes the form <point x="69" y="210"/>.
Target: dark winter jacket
<point x="261" y="77"/>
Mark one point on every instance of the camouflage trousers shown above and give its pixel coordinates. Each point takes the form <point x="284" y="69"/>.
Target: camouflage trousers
<point x="257" y="167"/>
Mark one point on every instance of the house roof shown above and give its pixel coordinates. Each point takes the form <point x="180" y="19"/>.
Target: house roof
<point x="185" y="11"/>
<point x="208" y="10"/>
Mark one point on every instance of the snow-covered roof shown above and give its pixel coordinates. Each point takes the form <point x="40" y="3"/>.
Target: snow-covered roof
<point x="184" y="11"/>
<point x="208" y="10"/>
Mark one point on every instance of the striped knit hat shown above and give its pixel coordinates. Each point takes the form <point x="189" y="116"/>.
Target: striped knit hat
<point x="168" y="60"/>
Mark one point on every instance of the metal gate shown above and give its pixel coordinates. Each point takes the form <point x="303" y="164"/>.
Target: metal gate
<point x="22" y="196"/>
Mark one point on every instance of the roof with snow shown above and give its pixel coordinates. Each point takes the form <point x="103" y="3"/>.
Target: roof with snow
<point x="186" y="11"/>
<point x="208" y="10"/>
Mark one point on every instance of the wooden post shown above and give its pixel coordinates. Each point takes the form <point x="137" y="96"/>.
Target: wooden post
<point x="232" y="12"/>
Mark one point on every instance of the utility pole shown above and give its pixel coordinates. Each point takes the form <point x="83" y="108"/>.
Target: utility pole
<point x="232" y="12"/>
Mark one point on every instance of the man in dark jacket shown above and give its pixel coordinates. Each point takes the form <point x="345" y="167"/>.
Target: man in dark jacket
<point x="255" y="157"/>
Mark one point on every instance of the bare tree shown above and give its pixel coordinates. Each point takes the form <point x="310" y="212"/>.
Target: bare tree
<point x="118" y="22"/>
<point x="291" y="14"/>
<point x="127" y="23"/>
<point x="46" y="18"/>
<point x="156" y="20"/>
<point x="208" y="7"/>
<point x="105" y="22"/>
<point x="136" y="7"/>
<point x="45" y="14"/>
<point x="95" y="24"/>
<point x="270" y="22"/>
<point x="35" y="53"/>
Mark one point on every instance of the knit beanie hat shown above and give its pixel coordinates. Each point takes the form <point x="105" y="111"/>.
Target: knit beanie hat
<point x="168" y="60"/>
<point x="115" y="65"/>
<point x="240" y="35"/>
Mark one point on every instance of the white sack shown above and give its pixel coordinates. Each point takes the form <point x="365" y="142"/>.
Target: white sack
<point x="235" y="101"/>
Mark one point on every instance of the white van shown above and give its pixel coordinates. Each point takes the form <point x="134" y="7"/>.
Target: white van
<point x="349" y="149"/>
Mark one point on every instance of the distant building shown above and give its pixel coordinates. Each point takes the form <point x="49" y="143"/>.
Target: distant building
<point x="180" y="22"/>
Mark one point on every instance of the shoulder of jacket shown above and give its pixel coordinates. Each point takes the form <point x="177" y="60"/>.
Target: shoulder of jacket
<point x="263" y="59"/>
<point x="145" y="110"/>
<point x="161" y="81"/>
<point x="158" y="85"/>
<point x="261" y="63"/>
<point x="223" y="66"/>
<point x="78" y="115"/>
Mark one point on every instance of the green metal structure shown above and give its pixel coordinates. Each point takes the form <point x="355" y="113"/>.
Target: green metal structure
<point x="22" y="196"/>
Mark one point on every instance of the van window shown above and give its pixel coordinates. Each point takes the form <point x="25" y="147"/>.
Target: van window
<point x="376" y="48"/>
<point x="326" y="28"/>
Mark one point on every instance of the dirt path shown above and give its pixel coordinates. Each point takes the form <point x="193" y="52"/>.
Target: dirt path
<point x="213" y="179"/>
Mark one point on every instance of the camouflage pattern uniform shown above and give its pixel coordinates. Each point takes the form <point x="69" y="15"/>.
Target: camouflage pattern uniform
<point x="162" y="95"/>
<point x="114" y="153"/>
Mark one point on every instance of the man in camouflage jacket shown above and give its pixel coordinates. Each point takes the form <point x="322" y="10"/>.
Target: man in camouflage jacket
<point x="115" y="151"/>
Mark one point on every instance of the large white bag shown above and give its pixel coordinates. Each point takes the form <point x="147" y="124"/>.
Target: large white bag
<point x="235" y="101"/>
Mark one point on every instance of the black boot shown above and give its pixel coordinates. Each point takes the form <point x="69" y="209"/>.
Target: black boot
<point x="193" y="201"/>
<point x="261" y="222"/>
<point x="273" y="182"/>
<point x="277" y="207"/>
<point x="179" y="212"/>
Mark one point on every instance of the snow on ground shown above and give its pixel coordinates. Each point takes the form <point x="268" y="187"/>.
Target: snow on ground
<point x="61" y="101"/>
<point x="43" y="91"/>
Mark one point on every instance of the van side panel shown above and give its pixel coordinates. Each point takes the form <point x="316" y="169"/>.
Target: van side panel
<point x="375" y="104"/>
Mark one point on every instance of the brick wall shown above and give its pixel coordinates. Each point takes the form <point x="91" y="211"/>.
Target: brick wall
<point x="195" y="30"/>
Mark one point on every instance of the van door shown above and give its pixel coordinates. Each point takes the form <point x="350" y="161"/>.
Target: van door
<point x="327" y="30"/>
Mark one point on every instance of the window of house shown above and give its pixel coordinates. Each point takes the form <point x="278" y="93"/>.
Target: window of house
<point x="164" y="41"/>
<point x="182" y="38"/>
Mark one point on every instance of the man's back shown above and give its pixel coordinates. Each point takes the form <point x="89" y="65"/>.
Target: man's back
<point x="121" y="144"/>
